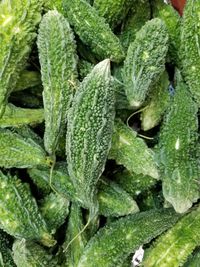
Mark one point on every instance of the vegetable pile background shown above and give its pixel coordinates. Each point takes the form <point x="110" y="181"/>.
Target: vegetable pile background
<point x="99" y="134"/>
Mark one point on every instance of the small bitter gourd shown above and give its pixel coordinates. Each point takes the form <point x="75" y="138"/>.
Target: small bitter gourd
<point x="58" y="60"/>
<point x="145" y="61"/>
<point x="54" y="208"/>
<point x="19" y="214"/>
<point x="20" y="152"/>
<point x="173" y="247"/>
<point x="114" y="11"/>
<point x="6" y="259"/>
<point x="177" y="150"/>
<point x="89" y="131"/>
<point x="18" y="21"/>
<point x="113" y="243"/>
<point x="131" y="151"/>
<point x="75" y="226"/>
<point x="189" y="50"/>
<point x="29" y="254"/>
<point x="92" y="30"/>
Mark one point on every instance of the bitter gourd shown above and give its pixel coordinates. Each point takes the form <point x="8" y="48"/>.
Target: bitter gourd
<point x="113" y="11"/>
<point x="109" y="194"/>
<point x="28" y="79"/>
<point x="113" y="243"/>
<point x="89" y="131"/>
<point x="159" y="99"/>
<point x="18" y="21"/>
<point x="92" y="30"/>
<point x="19" y="214"/>
<point x="193" y="260"/>
<point x="189" y="50"/>
<point x="131" y="151"/>
<point x="16" y="116"/>
<point x="58" y="62"/>
<point x="177" y="150"/>
<point x="29" y="254"/>
<point x="54" y="208"/>
<point x="173" y="248"/>
<point x="6" y="259"/>
<point x="20" y="152"/>
<point x="75" y="225"/>
<point x="145" y="61"/>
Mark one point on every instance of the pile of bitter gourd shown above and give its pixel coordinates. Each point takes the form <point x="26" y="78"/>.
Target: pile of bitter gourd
<point x="99" y="145"/>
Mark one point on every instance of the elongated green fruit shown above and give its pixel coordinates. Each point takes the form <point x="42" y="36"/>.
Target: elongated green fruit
<point x="75" y="225"/>
<point x="138" y="15"/>
<point x="134" y="183"/>
<point x="17" y="117"/>
<point x="109" y="195"/>
<point x="177" y="150"/>
<point x="159" y="99"/>
<point x="189" y="49"/>
<point x="58" y="61"/>
<point x="54" y="208"/>
<point x="18" y="21"/>
<point x="20" y="152"/>
<point x="113" y="243"/>
<point x="173" y="248"/>
<point x="27" y="79"/>
<point x="114" y="11"/>
<point x="131" y="151"/>
<point x="29" y="254"/>
<point x="19" y="214"/>
<point x="92" y="30"/>
<point x="145" y="61"/>
<point x="6" y="259"/>
<point x="89" y="131"/>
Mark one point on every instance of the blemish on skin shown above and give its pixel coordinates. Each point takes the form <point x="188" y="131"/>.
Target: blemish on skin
<point x="177" y="145"/>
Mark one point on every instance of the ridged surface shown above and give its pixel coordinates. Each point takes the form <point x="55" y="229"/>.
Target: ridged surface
<point x="145" y="61"/>
<point x="89" y="131"/>
<point x="92" y="30"/>
<point x="131" y="151"/>
<point x="113" y="243"/>
<point x="19" y="214"/>
<point x="177" y="150"/>
<point x="58" y="60"/>
<point x="18" y="21"/>
<point x="173" y="248"/>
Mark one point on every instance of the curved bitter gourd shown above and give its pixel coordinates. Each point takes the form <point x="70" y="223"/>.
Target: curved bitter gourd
<point x="145" y="61"/>
<point x="89" y="130"/>
<point x="113" y="243"/>
<point x="19" y="214"/>
<point x="92" y="30"/>
<point x="18" y="21"/>
<point x="177" y="150"/>
<point x="57" y="54"/>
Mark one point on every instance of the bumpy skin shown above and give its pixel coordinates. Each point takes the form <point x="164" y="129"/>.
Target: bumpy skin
<point x="139" y="13"/>
<point x="18" y="21"/>
<point x="27" y="79"/>
<point x="89" y="131"/>
<point x="114" y="11"/>
<point x="92" y="30"/>
<point x="159" y="99"/>
<point x="75" y="225"/>
<point x="19" y="214"/>
<point x="6" y="259"/>
<point x="84" y="67"/>
<point x="172" y="20"/>
<point x="58" y="60"/>
<point x="131" y="151"/>
<point x="193" y="260"/>
<point x="20" y="152"/>
<point x="189" y="50"/>
<point x="17" y="117"/>
<point x="54" y="208"/>
<point x="145" y="61"/>
<point x="109" y="195"/>
<point x="173" y="248"/>
<point x="29" y="254"/>
<point x="113" y="243"/>
<point x="177" y="150"/>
